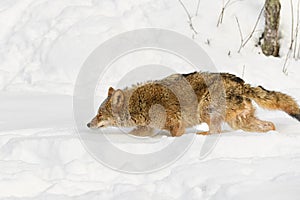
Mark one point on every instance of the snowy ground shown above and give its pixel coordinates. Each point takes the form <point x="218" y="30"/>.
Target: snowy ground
<point x="42" y="47"/>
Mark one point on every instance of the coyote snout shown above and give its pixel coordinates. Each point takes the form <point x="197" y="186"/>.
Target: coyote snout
<point x="97" y="122"/>
<point x="94" y="123"/>
<point x="109" y="111"/>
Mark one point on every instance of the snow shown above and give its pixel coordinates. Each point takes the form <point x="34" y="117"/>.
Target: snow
<point x="43" y="45"/>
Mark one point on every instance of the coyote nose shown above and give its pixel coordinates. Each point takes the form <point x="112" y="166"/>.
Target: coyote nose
<point x="89" y="125"/>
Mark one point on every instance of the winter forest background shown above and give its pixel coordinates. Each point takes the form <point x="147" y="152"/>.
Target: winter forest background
<point x="43" y="45"/>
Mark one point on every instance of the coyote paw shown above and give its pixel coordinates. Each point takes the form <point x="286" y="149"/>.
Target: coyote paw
<point x="142" y="131"/>
<point x="203" y="133"/>
<point x="267" y="126"/>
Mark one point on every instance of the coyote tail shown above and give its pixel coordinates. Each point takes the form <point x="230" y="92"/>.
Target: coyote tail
<point x="273" y="100"/>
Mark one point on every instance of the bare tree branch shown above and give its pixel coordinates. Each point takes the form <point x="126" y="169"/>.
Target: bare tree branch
<point x="185" y="9"/>
<point x="285" y="67"/>
<point x="189" y="18"/>
<point x="296" y="32"/>
<point x="220" y="19"/>
<point x="292" y="31"/>
<point x="254" y="28"/>
<point x="240" y="31"/>
<point x="197" y="10"/>
<point x="226" y="5"/>
<point x="246" y="40"/>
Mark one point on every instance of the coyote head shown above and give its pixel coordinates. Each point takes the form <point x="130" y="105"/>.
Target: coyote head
<point x="108" y="111"/>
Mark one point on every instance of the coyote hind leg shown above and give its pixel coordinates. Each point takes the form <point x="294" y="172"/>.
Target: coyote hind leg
<point x="244" y="118"/>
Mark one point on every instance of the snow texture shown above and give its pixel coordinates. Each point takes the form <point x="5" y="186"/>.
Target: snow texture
<point x="44" y="43"/>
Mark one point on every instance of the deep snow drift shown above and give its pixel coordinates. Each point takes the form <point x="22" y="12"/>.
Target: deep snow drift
<point x="42" y="47"/>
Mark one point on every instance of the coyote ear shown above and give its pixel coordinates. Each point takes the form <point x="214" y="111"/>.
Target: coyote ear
<point x="117" y="100"/>
<point x="110" y="91"/>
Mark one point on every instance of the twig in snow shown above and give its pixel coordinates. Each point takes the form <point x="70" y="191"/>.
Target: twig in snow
<point x="298" y="52"/>
<point x="189" y="18"/>
<point x="284" y="68"/>
<point x="246" y="40"/>
<point x="207" y="41"/>
<point x="240" y="31"/>
<point x="296" y="32"/>
<point x="243" y="72"/>
<point x="197" y="10"/>
<point x="226" y="5"/>
<point x="221" y="16"/>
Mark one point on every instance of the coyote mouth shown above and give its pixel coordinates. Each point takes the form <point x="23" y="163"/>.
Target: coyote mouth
<point x="93" y="125"/>
<point x="89" y="125"/>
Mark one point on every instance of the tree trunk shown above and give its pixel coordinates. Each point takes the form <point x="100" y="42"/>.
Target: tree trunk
<point x="270" y="44"/>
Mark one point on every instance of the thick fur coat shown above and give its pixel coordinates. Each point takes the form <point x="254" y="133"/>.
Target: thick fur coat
<point x="180" y="101"/>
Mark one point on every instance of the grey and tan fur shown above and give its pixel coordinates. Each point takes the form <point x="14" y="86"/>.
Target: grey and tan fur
<point x="181" y="101"/>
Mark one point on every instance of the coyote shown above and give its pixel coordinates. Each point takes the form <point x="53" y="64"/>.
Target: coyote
<point x="180" y="101"/>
